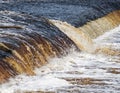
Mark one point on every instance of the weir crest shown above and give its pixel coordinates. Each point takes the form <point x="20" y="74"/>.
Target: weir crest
<point x="27" y="42"/>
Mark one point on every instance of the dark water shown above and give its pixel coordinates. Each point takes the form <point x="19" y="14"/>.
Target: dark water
<point x="75" y="12"/>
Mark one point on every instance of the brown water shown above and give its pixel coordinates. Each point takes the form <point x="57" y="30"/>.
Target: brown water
<point x="77" y="72"/>
<point x="67" y="60"/>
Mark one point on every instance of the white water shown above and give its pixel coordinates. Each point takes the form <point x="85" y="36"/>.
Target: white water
<point x="53" y="76"/>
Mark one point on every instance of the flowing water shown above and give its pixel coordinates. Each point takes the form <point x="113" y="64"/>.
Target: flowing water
<point x="49" y="55"/>
<point x="78" y="72"/>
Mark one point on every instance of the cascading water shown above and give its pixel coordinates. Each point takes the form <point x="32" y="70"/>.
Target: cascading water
<point x="40" y="54"/>
<point x="80" y="39"/>
<point x="101" y="25"/>
<point x="24" y="47"/>
<point x="76" y="72"/>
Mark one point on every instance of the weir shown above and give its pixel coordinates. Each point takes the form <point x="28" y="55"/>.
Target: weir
<point x="29" y="41"/>
<point x="97" y="27"/>
<point x="80" y="38"/>
<point x="37" y="40"/>
<point x="32" y="41"/>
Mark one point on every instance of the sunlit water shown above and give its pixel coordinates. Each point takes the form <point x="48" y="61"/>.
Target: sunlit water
<point x="77" y="72"/>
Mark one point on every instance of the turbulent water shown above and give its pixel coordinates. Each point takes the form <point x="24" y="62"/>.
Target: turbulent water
<point x="75" y="73"/>
<point x="59" y="46"/>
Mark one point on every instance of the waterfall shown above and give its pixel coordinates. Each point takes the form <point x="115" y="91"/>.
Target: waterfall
<point x="99" y="26"/>
<point x="80" y="38"/>
<point x="28" y="41"/>
<point x="27" y="44"/>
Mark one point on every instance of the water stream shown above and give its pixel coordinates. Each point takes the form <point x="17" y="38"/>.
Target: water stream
<point x="78" y="72"/>
<point x="60" y="46"/>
